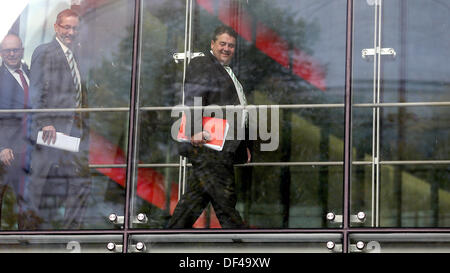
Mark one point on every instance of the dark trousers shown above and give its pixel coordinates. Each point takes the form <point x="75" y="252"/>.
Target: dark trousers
<point x="65" y="185"/>
<point x="16" y="176"/>
<point x="211" y="180"/>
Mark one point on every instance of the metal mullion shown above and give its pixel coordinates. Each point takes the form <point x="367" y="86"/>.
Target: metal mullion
<point x="376" y="113"/>
<point x="132" y="120"/>
<point x="187" y="59"/>
<point x="377" y="202"/>
<point x="347" y="127"/>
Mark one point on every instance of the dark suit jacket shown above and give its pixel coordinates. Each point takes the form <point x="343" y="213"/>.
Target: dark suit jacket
<point x="208" y="79"/>
<point x="52" y="86"/>
<point x="11" y="124"/>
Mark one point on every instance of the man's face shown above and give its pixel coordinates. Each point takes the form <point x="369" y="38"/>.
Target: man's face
<point x="223" y="48"/>
<point x="67" y="30"/>
<point x="11" y="51"/>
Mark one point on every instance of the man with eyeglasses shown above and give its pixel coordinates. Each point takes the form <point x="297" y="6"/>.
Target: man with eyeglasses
<point x="56" y="82"/>
<point x="15" y="145"/>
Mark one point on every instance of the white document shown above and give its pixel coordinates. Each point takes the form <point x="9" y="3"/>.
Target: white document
<point x="63" y="142"/>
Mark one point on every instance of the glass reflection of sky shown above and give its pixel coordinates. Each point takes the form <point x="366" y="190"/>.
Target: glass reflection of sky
<point x="9" y="14"/>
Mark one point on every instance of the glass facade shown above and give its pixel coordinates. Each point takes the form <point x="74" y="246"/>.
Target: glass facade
<point x="347" y="105"/>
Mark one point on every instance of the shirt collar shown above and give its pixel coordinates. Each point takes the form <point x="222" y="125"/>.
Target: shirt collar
<point x="13" y="70"/>
<point x="224" y="65"/>
<point x="63" y="46"/>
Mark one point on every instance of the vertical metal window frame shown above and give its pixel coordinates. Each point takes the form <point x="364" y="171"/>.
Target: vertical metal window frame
<point x="348" y="127"/>
<point x="133" y="120"/>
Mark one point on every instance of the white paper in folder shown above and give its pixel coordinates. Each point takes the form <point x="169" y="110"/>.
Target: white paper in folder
<point x="63" y="142"/>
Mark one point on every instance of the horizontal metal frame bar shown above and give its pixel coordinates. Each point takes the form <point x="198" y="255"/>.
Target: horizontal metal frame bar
<point x="280" y="106"/>
<point x="416" y="162"/>
<point x="243" y="237"/>
<point x="275" y="164"/>
<point x="350" y="231"/>
<point x="403" y="237"/>
<point x="307" y="106"/>
<point x="401" y="104"/>
<point x="53" y="110"/>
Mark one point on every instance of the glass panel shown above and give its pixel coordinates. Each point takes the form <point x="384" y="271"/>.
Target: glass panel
<point x="400" y="243"/>
<point x="406" y="133"/>
<point x="304" y="135"/>
<point x="362" y="134"/>
<point x="283" y="53"/>
<point x="160" y="89"/>
<point x="156" y="196"/>
<point x="59" y="190"/>
<point x="289" y="196"/>
<point x="155" y="142"/>
<point x="415" y="133"/>
<point x="255" y="243"/>
<point x="419" y="71"/>
<point x="363" y="38"/>
<point x="278" y="58"/>
<point x="61" y="243"/>
<point x="415" y="196"/>
<point x="393" y="63"/>
<point x="362" y="193"/>
<point x="267" y="197"/>
<point x="410" y="195"/>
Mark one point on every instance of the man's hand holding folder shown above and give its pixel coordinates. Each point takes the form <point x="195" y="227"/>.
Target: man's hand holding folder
<point x="213" y="135"/>
<point x="49" y="137"/>
<point x="200" y="138"/>
<point x="49" y="134"/>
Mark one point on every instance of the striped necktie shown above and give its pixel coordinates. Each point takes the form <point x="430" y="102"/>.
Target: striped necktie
<point x="76" y="82"/>
<point x="240" y="93"/>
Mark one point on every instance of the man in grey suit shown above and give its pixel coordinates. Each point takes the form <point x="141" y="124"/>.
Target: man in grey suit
<point x="60" y="177"/>
<point x="15" y="145"/>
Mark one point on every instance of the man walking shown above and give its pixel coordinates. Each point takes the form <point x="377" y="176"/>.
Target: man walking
<point x="56" y="82"/>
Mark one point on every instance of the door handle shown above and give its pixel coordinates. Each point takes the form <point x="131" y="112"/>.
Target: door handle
<point x="181" y="56"/>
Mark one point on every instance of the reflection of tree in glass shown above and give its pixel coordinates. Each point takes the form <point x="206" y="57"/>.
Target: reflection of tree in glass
<point x="265" y="82"/>
<point x="275" y="190"/>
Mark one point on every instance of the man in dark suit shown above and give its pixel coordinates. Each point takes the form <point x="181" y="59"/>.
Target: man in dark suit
<point x="212" y="179"/>
<point x="60" y="177"/>
<point x="15" y="145"/>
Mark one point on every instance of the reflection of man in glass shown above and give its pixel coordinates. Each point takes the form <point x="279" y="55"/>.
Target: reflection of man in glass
<point x="14" y="134"/>
<point x="212" y="178"/>
<point x="60" y="178"/>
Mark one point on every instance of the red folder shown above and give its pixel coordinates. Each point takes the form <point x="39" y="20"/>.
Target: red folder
<point x="216" y="127"/>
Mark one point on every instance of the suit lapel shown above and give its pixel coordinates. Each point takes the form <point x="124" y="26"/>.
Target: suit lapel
<point x="231" y="91"/>
<point x="13" y="91"/>
<point x="60" y="56"/>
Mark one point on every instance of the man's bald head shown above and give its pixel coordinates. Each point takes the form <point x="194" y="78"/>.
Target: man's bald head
<point x="11" y="51"/>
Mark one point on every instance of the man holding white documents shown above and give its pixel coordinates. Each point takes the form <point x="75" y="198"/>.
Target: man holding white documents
<point x="60" y="171"/>
<point x="210" y="81"/>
